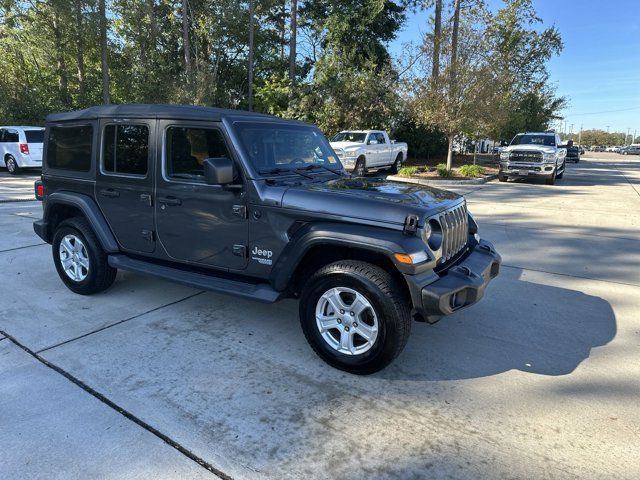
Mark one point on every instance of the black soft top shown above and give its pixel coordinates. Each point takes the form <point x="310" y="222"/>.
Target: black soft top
<point x="177" y="112"/>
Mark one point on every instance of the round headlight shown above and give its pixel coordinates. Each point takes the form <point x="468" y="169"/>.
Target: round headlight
<point x="504" y="155"/>
<point x="426" y="232"/>
<point x="435" y="237"/>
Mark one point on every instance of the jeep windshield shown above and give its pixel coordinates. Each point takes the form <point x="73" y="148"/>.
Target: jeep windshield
<point x="274" y="148"/>
<point x="532" y="139"/>
<point x="354" y="137"/>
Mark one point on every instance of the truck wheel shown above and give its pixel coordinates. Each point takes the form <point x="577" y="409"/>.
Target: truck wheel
<point x="551" y="179"/>
<point x="355" y="316"/>
<point x="502" y="178"/>
<point x="12" y="165"/>
<point x="79" y="258"/>
<point x="397" y="165"/>
<point x="360" y="169"/>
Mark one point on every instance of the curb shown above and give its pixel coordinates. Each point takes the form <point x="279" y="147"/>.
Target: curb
<point x="442" y="183"/>
<point x="11" y="200"/>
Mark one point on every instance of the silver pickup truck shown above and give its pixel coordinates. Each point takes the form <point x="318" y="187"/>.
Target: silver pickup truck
<point x="363" y="150"/>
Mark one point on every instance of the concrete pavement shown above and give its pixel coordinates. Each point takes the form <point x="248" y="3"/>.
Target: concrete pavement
<point x="539" y="380"/>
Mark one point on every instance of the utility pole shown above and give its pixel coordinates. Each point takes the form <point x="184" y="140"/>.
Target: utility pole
<point x="607" y="128"/>
<point x="625" y="138"/>
<point x="565" y="127"/>
<point x="571" y="129"/>
<point x="633" y="139"/>
<point x="251" y="19"/>
<point x="580" y="135"/>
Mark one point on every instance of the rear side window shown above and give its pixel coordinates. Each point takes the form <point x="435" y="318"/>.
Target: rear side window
<point x="125" y="149"/>
<point x="11" y="136"/>
<point x="69" y="148"/>
<point x="34" y="136"/>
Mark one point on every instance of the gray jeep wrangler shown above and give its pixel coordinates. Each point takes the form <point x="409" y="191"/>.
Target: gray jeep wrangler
<point x="258" y="207"/>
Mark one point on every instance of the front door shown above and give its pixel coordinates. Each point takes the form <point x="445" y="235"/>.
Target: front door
<point x="124" y="181"/>
<point x="199" y="223"/>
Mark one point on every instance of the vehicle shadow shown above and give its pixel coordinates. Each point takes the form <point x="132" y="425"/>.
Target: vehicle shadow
<point x="519" y="325"/>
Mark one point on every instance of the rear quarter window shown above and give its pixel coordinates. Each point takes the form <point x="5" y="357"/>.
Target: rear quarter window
<point x="69" y="148"/>
<point x="34" y="136"/>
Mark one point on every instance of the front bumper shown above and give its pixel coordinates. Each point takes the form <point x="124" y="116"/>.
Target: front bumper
<point x="462" y="285"/>
<point x="527" y="169"/>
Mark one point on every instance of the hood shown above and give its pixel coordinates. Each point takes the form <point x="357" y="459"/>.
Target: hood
<point x="530" y="148"/>
<point x="372" y="199"/>
<point x="346" y="145"/>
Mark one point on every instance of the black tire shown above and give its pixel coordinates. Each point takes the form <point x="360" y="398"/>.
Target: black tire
<point x="12" y="165"/>
<point x="360" y="169"/>
<point x="502" y="178"/>
<point x="551" y="179"/>
<point x="387" y="299"/>
<point x="397" y="165"/>
<point x="560" y="175"/>
<point x="100" y="275"/>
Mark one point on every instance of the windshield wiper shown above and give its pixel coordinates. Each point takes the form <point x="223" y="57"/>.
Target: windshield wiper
<point x="271" y="171"/>
<point x="316" y="165"/>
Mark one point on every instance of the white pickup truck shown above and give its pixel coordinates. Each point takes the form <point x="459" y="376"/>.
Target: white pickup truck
<point x="362" y="150"/>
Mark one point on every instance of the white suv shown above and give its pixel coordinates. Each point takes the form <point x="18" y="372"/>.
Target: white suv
<point x="21" y="147"/>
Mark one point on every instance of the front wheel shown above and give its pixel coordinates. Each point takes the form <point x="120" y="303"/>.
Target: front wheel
<point x="12" y="165"/>
<point x="360" y="169"/>
<point x="355" y="316"/>
<point x="79" y="258"/>
<point x="502" y="178"/>
<point x="551" y="179"/>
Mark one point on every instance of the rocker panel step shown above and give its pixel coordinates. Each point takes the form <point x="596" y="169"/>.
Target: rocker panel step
<point x="254" y="291"/>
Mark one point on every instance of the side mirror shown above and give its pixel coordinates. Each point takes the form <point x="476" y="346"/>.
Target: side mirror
<point x="218" y="171"/>
<point x="372" y="142"/>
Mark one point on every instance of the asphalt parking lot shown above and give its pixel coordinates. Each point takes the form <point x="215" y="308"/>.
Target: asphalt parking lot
<point x="155" y="380"/>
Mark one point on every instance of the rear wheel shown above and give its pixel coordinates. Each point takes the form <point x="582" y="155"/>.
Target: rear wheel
<point x="397" y="165"/>
<point x="12" y="165"/>
<point x="79" y="258"/>
<point x="360" y="168"/>
<point x="355" y="316"/>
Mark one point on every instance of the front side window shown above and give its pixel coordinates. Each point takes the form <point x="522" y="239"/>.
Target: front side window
<point x="69" y="148"/>
<point x="380" y="137"/>
<point x="188" y="147"/>
<point x="272" y="146"/>
<point x="125" y="149"/>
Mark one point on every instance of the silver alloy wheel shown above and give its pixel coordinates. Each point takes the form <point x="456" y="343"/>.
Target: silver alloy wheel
<point x="347" y="321"/>
<point x="74" y="258"/>
<point x="11" y="164"/>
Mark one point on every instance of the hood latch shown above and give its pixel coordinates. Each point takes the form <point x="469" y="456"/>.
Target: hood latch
<point x="410" y="224"/>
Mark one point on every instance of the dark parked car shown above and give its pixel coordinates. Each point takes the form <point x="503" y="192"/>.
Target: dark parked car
<point x="573" y="153"/>
<point x="630" y="150"/>
<point x="261" y="208"/>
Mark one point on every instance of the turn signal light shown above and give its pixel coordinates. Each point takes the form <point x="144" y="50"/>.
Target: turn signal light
<point x="403" y="258"/>
<point x="24" y="148"/>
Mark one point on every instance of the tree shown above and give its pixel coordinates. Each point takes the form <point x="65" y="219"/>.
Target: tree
<point x="292" y="41"/>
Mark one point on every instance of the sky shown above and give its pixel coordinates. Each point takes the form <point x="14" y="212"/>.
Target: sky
<point x="599" y="68"/>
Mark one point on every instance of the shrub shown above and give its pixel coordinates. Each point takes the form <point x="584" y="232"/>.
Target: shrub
<point x="471" y="171"/>
<point x="441" y="168"/>
<point x="407" y="171"/>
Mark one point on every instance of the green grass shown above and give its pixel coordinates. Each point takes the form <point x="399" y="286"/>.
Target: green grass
<point x="441" y="168"/>
<point x="407" y="171"/>
<point x="471" y="171"/>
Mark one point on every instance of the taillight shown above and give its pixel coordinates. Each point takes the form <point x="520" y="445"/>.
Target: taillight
<point x="39" y="190"/>
<point x="24" y="148"/>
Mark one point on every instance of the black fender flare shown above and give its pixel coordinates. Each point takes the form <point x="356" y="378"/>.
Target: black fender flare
<point x="383" y="241"/>
<point x="91" y="212"/>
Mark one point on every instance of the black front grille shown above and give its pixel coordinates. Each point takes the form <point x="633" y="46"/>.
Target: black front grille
<point x="455" y="231"/>
<point x="525" y="156"/>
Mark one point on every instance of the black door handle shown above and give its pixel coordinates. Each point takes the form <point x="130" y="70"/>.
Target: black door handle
<point x="172" y="201"/>
<point x="109" y="192"/>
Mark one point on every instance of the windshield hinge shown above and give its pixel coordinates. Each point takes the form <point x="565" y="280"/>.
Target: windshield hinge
<point x="410" y="224"/>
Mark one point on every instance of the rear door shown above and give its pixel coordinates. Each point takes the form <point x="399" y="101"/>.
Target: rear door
<point x="384" y="149"/>
<point x="124" y="181"/>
